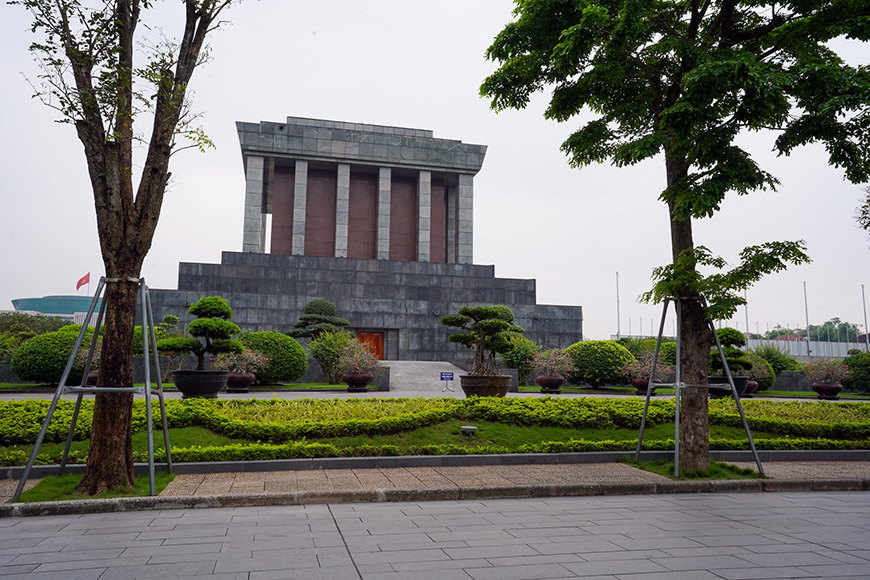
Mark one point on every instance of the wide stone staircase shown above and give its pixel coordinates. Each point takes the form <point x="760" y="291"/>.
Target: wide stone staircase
<point x="416" y="378"/>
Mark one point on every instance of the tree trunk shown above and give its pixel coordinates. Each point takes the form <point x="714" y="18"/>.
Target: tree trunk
<point x="110" y="458"/>
<point x="694" y="346"/>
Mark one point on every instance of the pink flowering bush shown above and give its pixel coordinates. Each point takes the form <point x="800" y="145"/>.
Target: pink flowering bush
<point x="247" y="361"/>
<point x="830" y="372"/>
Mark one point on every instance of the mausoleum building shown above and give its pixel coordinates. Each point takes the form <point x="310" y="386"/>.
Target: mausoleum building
<point x="376" y="219"/>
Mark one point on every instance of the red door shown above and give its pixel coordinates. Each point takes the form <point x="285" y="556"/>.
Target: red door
<point x="374" y="341"/>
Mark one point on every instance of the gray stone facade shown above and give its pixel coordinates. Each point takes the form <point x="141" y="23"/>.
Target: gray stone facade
<point x="344" y="147"/>
<point x="404" y="300"/>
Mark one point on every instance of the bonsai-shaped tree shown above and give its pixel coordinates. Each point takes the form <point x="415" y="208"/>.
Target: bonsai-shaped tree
<point x="318" y="316"/>
<point x="730" y="339"/>
<point x="212" y="328"/>
<point x="488" y="331"/>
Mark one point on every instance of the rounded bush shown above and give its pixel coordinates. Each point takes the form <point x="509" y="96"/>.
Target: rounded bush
<point x="859" y="372"/>
<point x="598" y="362"/>
<point x="211" y="307"/>
<point x="320" y="307"/>
<point x="43" y="358"/>
<point x="287" y="359"/>
<point x="730" y="337"/>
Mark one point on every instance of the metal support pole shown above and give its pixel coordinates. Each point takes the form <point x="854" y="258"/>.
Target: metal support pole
<point x="677" y="384"/>
<point x="649" y="387"/>
<point x="156" y="361"/>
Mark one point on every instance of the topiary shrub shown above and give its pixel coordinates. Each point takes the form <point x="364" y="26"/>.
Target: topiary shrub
<point x="326" y="349"/>
<point x="487" y="330"/>
<point x="738" y="363"/>
<point x="761" y="372"/>
<point x="43" y="358"/>
<point x="212" y="325"/>
<point x="859" y="372"/>
<point x="598" y="362"/>
<point x="287" y="360"/>
<point x="318" y="316"/>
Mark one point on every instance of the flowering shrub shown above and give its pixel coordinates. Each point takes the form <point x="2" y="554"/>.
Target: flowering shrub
<point x="247" y="361"/>
<point x="553" y="362"/>
<point x="641" y="368"/>
<point x="826" y="371"/>
<point x="357" y="358"/>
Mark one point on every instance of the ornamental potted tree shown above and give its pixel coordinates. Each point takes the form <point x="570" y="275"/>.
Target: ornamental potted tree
<point x="738" y="364"/>
<point x="358" y="366"/>
<point x="242" y="367"/>
<point x="826" y="377"/>
<point x="213" y="332"/>
<point x="487" y="331"/>
<point x="551" y="367"/>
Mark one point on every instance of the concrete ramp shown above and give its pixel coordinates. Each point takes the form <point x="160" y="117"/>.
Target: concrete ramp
<point x="416" y="378"/>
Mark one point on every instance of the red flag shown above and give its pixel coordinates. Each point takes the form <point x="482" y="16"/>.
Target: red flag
<point x="86" y="279"/>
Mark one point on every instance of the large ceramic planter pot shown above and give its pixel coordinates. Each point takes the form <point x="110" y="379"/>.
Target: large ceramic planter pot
<point x="719" y="387"/>
<point x="828" y="391"/>
<point x="550" y="384"/>
<point x="357" y="382"/>
<point x="485" y="385"/>
<point x="199" y="384"/>
<point x="642" y="385"/>
<point x="751" y="388"/>
<point x="240" y="382"/>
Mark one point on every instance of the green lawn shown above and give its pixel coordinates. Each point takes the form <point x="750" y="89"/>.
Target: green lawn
<point x="62" y="488"/>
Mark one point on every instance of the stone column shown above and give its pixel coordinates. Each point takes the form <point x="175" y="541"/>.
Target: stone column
<point x="300" y="198"/>
<point x="384" y="186"/>
<point x="254" y="233"/>
<point x="465" y="220"/>
<point x="342" y="207"/>
<point x="451" y="223"/>
<point x="424" y="213"/>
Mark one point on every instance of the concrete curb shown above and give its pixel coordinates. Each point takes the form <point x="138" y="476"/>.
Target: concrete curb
<point x="447" y="461"/>
<point x="78" y="507"/>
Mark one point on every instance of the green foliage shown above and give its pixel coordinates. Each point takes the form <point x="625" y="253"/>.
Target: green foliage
<point x="356" y="357"/>
<point x="598" y="362"/>
<point x="722" y="289"/>
<point x="30" y="324"/>
<point x="326" y="349"/>
<point x="213" y="327"/>
<point x="321" y="307"/>
<point x="859" y="372"/>
<point x="318" y="316"/>
<point x="826" y="371"/>
<point x="778" y="360"/>
<point x="636" y="346"/>
<point x="43" y="358"/>
<point x="668" y="353"/>
<point x="287" y="360"/>
<point x="211" y="307"/>
<point x="488" y="330"/>
<point x="520" y="356"/>
<point x="761" y="371"/>
<point x="730" y="337"/>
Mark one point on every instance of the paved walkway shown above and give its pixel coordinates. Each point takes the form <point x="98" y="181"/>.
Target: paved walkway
<point x="664" y="537"/>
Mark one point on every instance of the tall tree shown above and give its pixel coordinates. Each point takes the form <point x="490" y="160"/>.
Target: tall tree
<point x="685" y="78"/>
<point x="86" y="54"/>
<point x="862" y="214"/>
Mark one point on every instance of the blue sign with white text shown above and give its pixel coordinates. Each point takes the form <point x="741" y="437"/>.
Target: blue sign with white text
<point x="446" y="376"/>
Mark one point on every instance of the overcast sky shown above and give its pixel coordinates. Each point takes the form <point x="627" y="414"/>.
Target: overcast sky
<point x="417" y="64"/>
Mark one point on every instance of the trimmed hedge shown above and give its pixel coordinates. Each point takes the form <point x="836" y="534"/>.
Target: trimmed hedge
<point x="836" y="426"/>
<point x="287" y="359"/>
<point x="43" y="358"/>
<point x="598" y="362"/>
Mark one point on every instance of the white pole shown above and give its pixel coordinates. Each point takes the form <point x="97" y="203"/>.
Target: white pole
<point x="807" y="314"/>
<point x="617" y="305"/>
<point x="866" y="332"/>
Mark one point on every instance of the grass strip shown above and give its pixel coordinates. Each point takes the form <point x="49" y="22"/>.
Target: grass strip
<point x="62" y="488"/>
<point x="717" y="470"/>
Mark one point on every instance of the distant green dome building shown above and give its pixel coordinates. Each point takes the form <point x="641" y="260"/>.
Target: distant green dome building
<point x="61" y="306"/>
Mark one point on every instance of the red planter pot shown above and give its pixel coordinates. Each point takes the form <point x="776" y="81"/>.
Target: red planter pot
<point x="828" y="391"/>
<point x="240" y="382"/>
<point x="357" y="382"/>
<point x="642" y="385"/>
<point x="550" y="384"/>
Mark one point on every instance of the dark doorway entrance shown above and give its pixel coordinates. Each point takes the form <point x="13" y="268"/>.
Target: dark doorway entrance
<point x="374" y="341"/>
